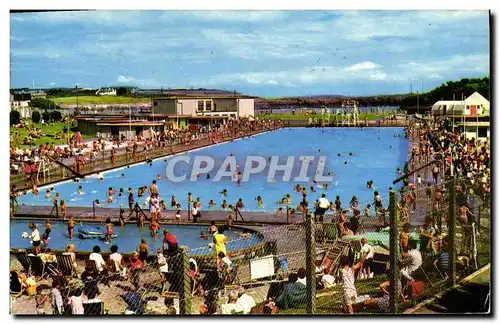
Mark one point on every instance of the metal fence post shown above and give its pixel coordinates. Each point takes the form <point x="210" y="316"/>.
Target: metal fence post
<point x="452" y="268"/>
<point x="394" y="253"/>
<point x="310" y="265"/>
<point x="185" y="287"/>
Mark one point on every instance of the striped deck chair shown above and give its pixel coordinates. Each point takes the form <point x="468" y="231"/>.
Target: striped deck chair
<point x="16" y="288"/>
<point x="65" y="264"/>
<point x="37" y="266"/>
<point x="330" y="230"/>
<point x="22" y="257"/>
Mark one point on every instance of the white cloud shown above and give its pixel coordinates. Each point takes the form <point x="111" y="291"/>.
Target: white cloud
<point x="362" y="66"/>
<point x="303" y="76"/>
<point x="236" y="16"/>
<point x="107" y="17"/>
<point x="124" y="79"/>
<point x="52" y="83"/>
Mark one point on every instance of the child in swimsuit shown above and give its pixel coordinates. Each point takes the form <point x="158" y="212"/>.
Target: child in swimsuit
<point x="224" y="204"/>
<point x="122" y="218"/>
<point x="35" y="190"/>
<point x="178" y="212"/>
<point x="45" y="236"/>
<point x="109" y="231"/>
<point x="153" y="228"/>
<point x="203" y="236"/>
<point x="211" y="203"/>
<point x="70" y="227"/>
<point x="190" y="197"/>
<point x="143" y="250"/>
<point x="173" y="202"/>
<point x="63" y="208"/>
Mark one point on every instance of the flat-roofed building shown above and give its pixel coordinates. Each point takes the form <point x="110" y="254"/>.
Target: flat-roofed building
<point x="230" y="106"/>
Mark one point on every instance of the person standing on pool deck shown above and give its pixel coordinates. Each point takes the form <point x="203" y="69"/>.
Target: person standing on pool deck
<point x="220" y="241"/>
<point x="45" y="236"/>
<point x="323" y="206"/>
<point x="170" y="244"/>
<point x="55" y="207"/>
<point x="35" y="237"/>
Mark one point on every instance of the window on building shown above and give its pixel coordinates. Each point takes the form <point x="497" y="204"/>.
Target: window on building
<point x="155" y="103"/>
<point x="208" y="105"/>
<point x="200" y="105"/>
<point x="482" y="132"/>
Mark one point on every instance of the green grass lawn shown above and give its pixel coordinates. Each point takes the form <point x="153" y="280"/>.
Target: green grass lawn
<point x="97" y="100"/>
<point x="49" y="131"/>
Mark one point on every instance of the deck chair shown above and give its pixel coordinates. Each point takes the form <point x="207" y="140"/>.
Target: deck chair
<point x="93" y="265"/>
<point x="16" y="288"/>
<point x="65" y="264"/>
<point x="330" y="230"/>
<point x="93" y="307"/>
<point x="22" y="257"/>
<point x="37" y="266"/>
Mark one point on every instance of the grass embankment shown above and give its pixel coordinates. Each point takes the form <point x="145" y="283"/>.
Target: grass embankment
<point x="86" y="100"/>
<point x="49" y="134"/>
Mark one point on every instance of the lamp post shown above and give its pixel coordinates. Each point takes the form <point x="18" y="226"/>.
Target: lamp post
<point x="129" y="120"/>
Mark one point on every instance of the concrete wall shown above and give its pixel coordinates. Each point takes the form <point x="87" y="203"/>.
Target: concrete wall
<point x="187" y="106"/>
<point x="246" y="107"/>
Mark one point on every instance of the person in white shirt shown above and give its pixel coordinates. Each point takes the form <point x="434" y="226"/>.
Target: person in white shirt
<point x="231" y="307"/>
<point x="117" y="259"/>
<point x="76" y="302"/>
<point x="368" y="251"/>
<point x="301" y="274"/>
<point x="245" y="301"/>
<point x="35" y="237"/>
<point x="411" y="262"/>
<point x="323" y="205"/>
<point x="97" y="257"/>
<point x="349" y="292"/>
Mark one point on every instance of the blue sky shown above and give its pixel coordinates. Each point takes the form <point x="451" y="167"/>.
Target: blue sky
<point x="263" y="53"/>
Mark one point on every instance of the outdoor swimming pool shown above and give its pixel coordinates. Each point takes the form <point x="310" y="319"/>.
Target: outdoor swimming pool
<point x="377" y="153"/>
<point x="128" y="237"/>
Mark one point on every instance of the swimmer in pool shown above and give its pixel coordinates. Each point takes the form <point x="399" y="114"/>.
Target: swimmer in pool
<point x="35" y="190"/>
<point x="47" y="194"/>
<point x="325" y="186"/>
<point x="122" y="175"/>
<point x="211" y="203"/>
<point x="203" y="236"/>
<point x="398" y="171"/>
<point x="110" y="195"/>
<point x="312" y="189"/>
<point x="208" y="176"/>
<point x="298" y="188"/>
<point x="80" y="190"/>
<point x="279" y="212"/>
<point x="224" y="192"/>
<point x="97" y="203"/>
<point x="223" y="204"/>
<point x="158" y="177"/>
<point x="260" y="203"/>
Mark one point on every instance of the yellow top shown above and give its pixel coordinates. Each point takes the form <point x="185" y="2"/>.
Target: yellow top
<point x="220" y="243"/>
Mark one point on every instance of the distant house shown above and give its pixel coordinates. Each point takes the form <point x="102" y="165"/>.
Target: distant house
<point x="472" y="115"/>
<point x="106" y="92"/>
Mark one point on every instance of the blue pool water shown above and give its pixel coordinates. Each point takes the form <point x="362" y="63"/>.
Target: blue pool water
<point x="377" y="153"/>
<point x="128" y="237"/>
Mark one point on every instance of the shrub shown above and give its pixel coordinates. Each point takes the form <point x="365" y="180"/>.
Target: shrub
<point x="46" y="116"/>
<point x="15" y="117"/>
<point x="56" y="115"/>
<point x="35" y="116"/>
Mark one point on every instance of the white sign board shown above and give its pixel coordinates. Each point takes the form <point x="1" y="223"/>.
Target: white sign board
<point x="262" y="267"/>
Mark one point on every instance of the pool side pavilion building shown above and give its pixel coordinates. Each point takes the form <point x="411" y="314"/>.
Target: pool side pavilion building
<point x="472" y="114"/>
<point x="211" y="106"/>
